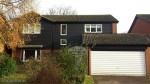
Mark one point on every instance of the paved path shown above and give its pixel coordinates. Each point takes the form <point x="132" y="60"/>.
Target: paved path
<point x="120" y="80"/>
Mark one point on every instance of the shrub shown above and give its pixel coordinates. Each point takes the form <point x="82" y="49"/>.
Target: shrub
<point x="7" y="65"/>
<point x="74" y="66"/>
<point x="44" y="71"/>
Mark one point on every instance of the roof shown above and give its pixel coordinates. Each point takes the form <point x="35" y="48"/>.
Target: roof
<point x="116" y="39"/>
<point x="81" y="18"/>
<point x="145" y="17"/>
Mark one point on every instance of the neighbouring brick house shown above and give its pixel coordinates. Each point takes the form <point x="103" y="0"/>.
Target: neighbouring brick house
<point x="141" y="24"/>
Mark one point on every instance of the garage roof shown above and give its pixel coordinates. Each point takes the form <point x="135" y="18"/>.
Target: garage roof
<point x="116" y="39"/>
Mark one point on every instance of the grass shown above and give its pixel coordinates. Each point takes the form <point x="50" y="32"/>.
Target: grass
<point x="15" y="77"/>
<point x="18" y="78"/>
<point x="88" y="80"/>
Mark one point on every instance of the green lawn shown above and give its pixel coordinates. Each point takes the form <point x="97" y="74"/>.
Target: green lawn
<point x="13" y="78"/>
<point x="18" y="78"/>
<point x="88" y="80"/>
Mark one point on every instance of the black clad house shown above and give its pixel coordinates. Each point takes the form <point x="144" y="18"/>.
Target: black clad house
<point x="55" y="31"/>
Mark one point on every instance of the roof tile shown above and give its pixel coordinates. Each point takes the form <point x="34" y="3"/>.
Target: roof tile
<point x="116" y="39"/>
<point x="81" y="18"/>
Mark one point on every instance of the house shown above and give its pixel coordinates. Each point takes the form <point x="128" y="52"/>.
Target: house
<point x="108" y="53"/>
<point x="141" y="24"/>
<point x="55" y="31"/>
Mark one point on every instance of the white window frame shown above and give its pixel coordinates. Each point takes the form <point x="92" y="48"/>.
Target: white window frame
<point x="34" y="26"/>
<point x="62" y="29"/>
<point x="24" y="26"/>
<point x="61" y="41"/>
<point x="35" y="32"/>
<point x="35" y="57"/>
<point x="90" y="28"/>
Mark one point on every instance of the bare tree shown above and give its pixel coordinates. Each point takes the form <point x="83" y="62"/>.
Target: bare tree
<point x="13" y="14"/>
<point x="62" y="10"/>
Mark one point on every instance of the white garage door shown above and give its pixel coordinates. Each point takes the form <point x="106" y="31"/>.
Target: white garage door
<point x="125" y="63"/>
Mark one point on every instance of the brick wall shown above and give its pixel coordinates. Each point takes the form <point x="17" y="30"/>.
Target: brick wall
<point x="114" y="28"/>
<point x="147" y="57"/>
<point x="89" y="61"/>
<point x="140" y="26"/>
<point x="46" y="52"/>
<point x="16" y="53"/>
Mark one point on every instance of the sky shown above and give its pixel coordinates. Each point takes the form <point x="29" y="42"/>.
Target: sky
<point x="123" y="10"/>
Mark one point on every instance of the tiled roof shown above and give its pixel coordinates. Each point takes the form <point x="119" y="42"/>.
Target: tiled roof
<point x="116" y="39"/>
<point x="144" y="16"/>
<point x="81" y="18"/>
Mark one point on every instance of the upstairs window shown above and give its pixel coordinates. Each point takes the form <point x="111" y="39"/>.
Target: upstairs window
<point x="93" y="28"/>
<point x="63" y="29"/>
<point x="34" y="28"/>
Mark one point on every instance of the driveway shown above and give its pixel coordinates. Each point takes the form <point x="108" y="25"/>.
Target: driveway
<point x="120" y="80"/>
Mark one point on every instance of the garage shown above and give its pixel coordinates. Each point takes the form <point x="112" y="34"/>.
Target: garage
<point x="119" y="63"/>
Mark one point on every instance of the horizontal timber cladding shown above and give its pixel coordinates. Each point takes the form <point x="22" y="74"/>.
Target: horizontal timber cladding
<point x="124" y="63"/>
<point x="44" y="38"/>
<point x="74" y="33"/>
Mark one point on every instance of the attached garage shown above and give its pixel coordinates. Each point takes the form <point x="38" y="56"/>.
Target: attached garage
<point x="126" y="63"/>
<point x="118" y="54"/>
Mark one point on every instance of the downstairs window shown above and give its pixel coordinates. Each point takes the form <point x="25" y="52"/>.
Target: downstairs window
<point x="27" y="54"/>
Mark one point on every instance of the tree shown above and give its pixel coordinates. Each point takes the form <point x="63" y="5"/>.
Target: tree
<point x="62" y="10"/>
<point x="13" y="14"/>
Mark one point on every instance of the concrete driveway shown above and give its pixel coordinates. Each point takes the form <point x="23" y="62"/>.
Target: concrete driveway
<point x="120" y="80"/>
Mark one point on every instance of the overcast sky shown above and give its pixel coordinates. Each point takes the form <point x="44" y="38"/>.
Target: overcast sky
<point x="123" y="10"/>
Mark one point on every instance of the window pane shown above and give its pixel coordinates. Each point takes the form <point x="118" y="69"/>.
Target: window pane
<point x="31" y="29"/>
<point x="37" y="28"/>
<point x="63" y="29"/>
<point x="98" y="26"/>
<point x="63" y="41"/>
<point x="93" y="29"/>
<point x="25" y="28"/>
<point x="87" y="29"/>
<point x="93" y="26"/>
<point x="99" y="30"/>
<point x="87" y="26"/>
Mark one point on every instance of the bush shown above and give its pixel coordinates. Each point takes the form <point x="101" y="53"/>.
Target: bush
<point x="7" y="65"/>
<point x="44" y="71"/>
<point x="74" y="66"/>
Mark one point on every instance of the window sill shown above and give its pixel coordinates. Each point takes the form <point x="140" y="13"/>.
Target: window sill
<point x="93" y="32"/>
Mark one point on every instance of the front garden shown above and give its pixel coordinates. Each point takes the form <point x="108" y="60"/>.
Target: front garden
<point x="63" y="68"/>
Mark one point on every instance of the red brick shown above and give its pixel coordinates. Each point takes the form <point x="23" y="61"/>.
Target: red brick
<point x="147" y="57"/>
<point x="114" y="28"/>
